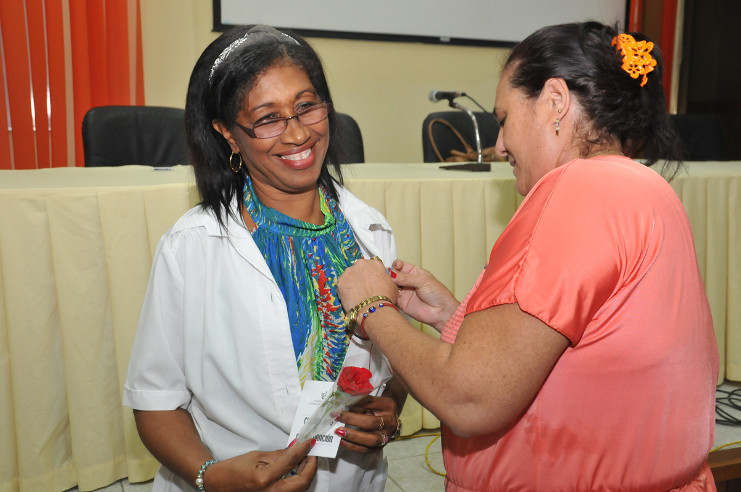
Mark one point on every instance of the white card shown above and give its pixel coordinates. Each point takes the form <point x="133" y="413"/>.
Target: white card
<point x="313" y="394"/>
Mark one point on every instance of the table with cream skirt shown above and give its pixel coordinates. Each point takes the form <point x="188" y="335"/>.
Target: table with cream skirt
<point x="76" y="246"/>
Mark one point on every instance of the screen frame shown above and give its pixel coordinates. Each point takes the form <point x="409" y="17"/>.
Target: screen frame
<point x="218" y="26"/>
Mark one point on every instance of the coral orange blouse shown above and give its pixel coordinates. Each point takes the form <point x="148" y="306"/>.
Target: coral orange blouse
<point x="601" y="251"/>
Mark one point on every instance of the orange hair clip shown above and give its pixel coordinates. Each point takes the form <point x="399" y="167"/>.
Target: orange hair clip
<point x="637" y="59"/>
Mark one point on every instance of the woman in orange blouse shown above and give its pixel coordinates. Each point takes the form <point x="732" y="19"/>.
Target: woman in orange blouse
<point x="584" y="358"/>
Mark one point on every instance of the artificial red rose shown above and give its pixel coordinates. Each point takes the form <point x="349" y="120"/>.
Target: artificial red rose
<point x="355" y="381"/>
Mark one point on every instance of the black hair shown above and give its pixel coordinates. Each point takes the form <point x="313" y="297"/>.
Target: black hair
<point x="219" y="96"/>
<point x="614" y="103"/>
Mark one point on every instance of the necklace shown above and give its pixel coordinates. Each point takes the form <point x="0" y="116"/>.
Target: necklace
<point x="603" y="152"/>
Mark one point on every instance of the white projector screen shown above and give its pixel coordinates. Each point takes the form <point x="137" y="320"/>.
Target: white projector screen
<point x="452" y="21"/>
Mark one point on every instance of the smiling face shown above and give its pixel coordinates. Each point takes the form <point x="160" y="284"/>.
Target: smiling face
<point x="289" y="164"/>
<point x="526" y="133"/>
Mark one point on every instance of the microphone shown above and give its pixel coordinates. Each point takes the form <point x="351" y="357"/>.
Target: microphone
<point x="436" y="95"/>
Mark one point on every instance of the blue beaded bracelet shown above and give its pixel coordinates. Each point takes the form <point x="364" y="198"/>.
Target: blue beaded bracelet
<point x="372" y="310"/>
<point x="201" y="471"/>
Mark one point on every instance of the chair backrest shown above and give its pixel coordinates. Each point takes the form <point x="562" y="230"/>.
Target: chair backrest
<point x="447" y="141"/>
<point x="351" y="140"/>
<point x="701" y="134"/>
<point x="146" y="135"/>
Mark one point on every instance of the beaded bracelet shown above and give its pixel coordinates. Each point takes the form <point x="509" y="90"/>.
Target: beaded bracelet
<point x="372" y="310"/>
<point x="352" y="314"/>
<point x="201" y="471"/>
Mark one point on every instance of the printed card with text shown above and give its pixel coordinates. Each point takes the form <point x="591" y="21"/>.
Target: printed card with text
<point x="312" y="396"/>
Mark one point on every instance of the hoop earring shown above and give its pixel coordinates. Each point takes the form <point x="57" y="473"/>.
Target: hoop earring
<point x="231" y="157"/>
<point x="558" y="125"/>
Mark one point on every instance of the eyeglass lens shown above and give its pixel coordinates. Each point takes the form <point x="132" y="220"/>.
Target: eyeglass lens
<point x="309" y="116"/>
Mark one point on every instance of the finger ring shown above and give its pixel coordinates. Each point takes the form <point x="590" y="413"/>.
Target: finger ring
<point x="380" y="427"/>
<point x="377" y="258"/>
<point x="384" y="439"/>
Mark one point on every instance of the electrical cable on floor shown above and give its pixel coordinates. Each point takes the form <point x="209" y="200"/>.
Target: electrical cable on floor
<point x="727" y="411"/>
<point x="725" y="445"/>
<point x="436" y="435"/>
<point x="728" y="407"/>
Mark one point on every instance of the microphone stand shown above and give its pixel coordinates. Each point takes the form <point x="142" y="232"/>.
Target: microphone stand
<point x="453" y="104"/>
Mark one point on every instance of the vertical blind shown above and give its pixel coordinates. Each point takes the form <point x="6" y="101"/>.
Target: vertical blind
<point x="59" y="58"/>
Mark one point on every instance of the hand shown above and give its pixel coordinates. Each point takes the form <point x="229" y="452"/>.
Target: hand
<point x="364" y="279"/>
<point x="373" y="420"/>
<point x="423" y="297"/>
<point x="263" y="471"/>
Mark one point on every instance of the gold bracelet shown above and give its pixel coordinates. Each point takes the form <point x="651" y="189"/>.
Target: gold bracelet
<point x="352" y="315"/>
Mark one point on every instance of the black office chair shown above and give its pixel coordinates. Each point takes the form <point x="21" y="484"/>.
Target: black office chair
<point x="121" y="135"/>
<point x="701" y="134"/>
<point x="350" y="140"/>
<point x="446" y="140"/>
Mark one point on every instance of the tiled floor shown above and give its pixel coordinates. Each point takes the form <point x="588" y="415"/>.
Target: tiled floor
<point x="408" y="471"/>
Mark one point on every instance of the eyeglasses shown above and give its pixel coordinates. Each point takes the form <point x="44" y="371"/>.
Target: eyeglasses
<point x="307" y="115"/>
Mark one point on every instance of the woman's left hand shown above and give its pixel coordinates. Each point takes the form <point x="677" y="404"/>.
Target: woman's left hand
<point x="370" y="424"/>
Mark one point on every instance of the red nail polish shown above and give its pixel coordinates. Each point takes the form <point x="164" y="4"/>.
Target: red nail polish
<point x="340" y="432"/>
<point x="393" y="274"/>
<point x="292" y="443"/>
<point x="313" y="443"/>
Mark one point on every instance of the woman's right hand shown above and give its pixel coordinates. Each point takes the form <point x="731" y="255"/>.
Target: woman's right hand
<point x="423" y="297"/>
<point x="264" y="471"/>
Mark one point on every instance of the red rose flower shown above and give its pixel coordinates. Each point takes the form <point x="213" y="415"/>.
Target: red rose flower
<point x="352" y="384"/>
<point x="355" y="381"/>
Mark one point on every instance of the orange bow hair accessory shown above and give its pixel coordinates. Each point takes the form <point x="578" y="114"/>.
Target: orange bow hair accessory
<point x="637" y="59"/>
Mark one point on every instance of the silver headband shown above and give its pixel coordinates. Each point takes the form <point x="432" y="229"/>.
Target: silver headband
<point x="266" y="30"/>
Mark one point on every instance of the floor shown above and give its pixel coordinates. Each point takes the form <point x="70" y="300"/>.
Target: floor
<point x="409" y="472"/>
<point x="408" y="469"/>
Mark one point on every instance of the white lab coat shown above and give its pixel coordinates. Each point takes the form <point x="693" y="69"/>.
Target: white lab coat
<point x="214" y="339"/>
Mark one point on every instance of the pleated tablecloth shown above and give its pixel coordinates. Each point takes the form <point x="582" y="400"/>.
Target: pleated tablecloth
<point x="76" y="246"/>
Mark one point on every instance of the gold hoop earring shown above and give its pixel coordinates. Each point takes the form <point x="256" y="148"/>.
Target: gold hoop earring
<point x="231" y="157"/>
<point x="558" y="125"/>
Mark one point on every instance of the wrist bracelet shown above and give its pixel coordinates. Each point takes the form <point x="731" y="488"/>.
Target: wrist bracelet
<point x="372" y="310"/>
<point x="201" y="471"/>
<point x="352" y="314"/>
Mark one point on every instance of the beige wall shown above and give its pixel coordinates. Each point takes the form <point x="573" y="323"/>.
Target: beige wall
<point x="383" y="85"/>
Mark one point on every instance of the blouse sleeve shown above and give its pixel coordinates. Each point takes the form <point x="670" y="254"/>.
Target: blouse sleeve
<point x="155" y="378"/>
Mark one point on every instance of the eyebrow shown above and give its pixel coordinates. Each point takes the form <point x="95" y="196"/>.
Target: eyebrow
<point x="298" y="95"/>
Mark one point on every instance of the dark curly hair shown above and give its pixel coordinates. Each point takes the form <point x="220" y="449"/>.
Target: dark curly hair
<point x="615" y="105"/>
<point x="219" y="96"/>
